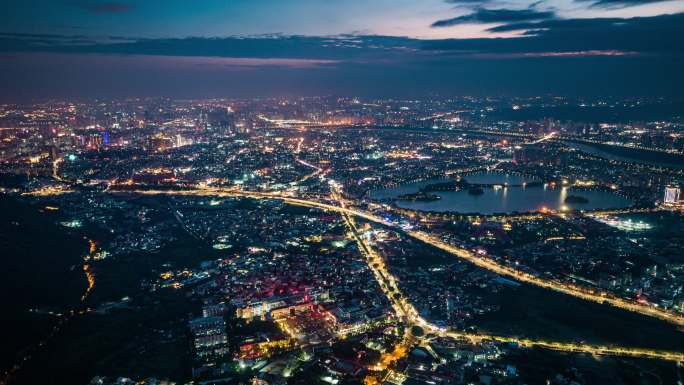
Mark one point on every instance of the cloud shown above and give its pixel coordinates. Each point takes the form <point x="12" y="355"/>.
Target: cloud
<point x="346" y="48"/>
<point x="551" y="54"/>
<point x="244" y="62"/>
<point x="469" y="2"/>
<point x="653" y="35"/>
<point x="363" y="66"/>
<point x="11" y="41"/>
<point x="613" y="4"/>
<point x="571" y="38"/>
<point x="108" y="61"/>
<point x="106" y="7"/>
<point x="482" y="15"/>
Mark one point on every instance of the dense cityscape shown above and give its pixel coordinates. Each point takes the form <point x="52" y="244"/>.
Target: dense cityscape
<point x="348" y="192"/>
<point x="343" y="240"/>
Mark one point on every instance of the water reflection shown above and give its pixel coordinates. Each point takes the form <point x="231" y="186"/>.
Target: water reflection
<point x="561" y="197"/>
<point x="506" y="199"/>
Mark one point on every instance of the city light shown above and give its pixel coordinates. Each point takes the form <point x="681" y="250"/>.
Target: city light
<point x="624" y="224"/>
<point x="342" y="239"/>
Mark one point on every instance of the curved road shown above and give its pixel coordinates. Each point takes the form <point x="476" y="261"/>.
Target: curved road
<point x="600" y="297"/>
<point x="407" y="311"/>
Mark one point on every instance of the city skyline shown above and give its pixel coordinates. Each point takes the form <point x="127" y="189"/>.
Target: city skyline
<point x="328" y="240"/>
<point x="342" y="192"/>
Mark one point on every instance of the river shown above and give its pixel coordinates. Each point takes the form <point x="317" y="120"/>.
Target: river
<point x="630" y="155"/>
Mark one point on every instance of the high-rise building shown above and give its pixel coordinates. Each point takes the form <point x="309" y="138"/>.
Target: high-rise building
<point x="672" y="194"/>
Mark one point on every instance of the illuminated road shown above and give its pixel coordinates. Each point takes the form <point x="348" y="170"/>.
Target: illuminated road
<point x="543" y="138"/>
<point x="565" y="288"/>
<point x="405" y="310"/>
<point x="599" y="350"/>
<point x="317" y="170"/>
<point x="377" y="265"/>
<point x="90" y="277"/>
<point x="484" y="262"/>
<point x="49" y="191"/>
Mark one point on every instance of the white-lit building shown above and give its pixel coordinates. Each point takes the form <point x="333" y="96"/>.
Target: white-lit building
<point x="672" y="195"/>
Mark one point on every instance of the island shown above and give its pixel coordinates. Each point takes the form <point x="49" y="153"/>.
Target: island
<point x="576" y="199"/>
<point x="420" y="196"/>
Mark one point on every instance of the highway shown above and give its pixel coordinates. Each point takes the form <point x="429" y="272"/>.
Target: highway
<point x="586" y="294"/>
<point x="406" y="311"/>
<point x="543" y="138"/>
<point x="402" y="307"/>
<point x="317" y="170"/>
<point x="572" y="347"/>
<point x="484" y="262"/>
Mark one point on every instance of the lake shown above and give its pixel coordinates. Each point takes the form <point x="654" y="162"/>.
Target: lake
<point x="502" y="200"/>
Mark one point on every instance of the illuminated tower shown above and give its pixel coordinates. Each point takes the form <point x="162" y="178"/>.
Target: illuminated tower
<point x="671" y="195"/>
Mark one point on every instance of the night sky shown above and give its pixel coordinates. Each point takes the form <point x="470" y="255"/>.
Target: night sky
<point x="402" y="48"/>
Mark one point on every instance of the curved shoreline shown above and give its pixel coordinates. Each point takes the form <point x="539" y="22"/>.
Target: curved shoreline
<point x="625" y="202"/>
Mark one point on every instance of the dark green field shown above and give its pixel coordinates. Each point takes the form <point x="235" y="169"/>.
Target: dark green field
<point x="538" y="313"/>
<point x="40" y="269"/>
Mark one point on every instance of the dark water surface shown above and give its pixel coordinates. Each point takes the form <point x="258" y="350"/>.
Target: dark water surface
<point x="504" y="199"/>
